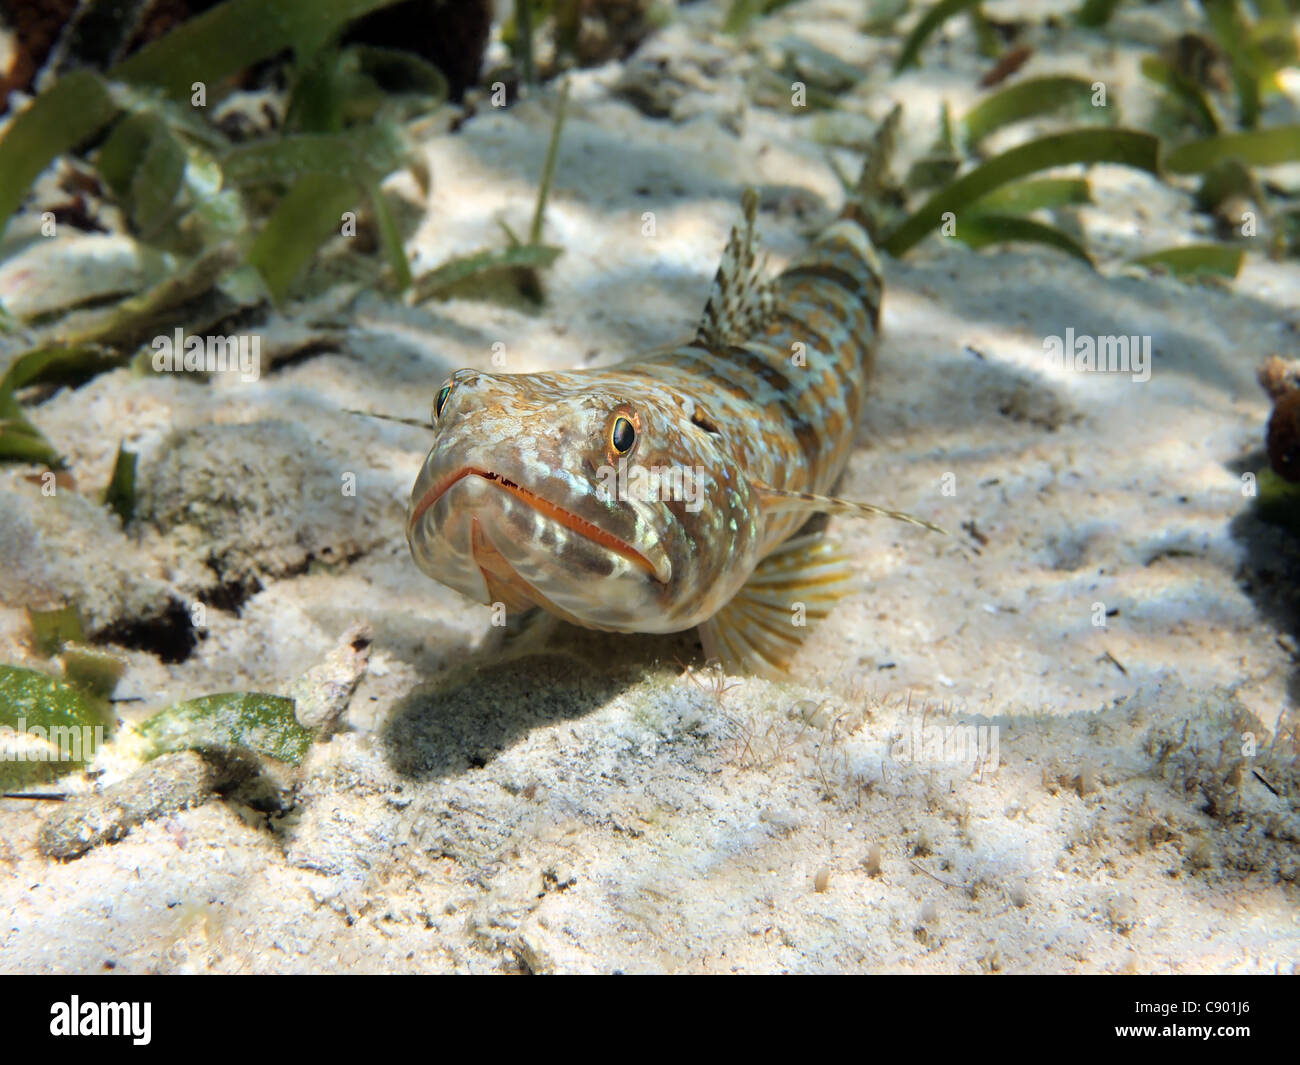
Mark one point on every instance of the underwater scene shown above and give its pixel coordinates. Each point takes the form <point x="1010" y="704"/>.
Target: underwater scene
<point x="650" y="486"/>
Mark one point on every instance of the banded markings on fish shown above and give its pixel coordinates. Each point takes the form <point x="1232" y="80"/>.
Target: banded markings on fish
<point x="761" y="407"/>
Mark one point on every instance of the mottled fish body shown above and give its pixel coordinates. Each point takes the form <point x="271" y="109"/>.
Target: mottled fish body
<point x="663" y="493"/>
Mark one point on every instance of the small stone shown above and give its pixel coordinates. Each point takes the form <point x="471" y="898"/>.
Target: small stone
<point x="321" y="695"/>
<point x="164" y="786"/>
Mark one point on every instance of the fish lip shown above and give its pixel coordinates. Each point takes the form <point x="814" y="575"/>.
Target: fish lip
<point x="567" y="518"/>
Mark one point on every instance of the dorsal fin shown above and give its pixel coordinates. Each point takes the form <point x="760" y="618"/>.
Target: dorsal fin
<point x="741" y="300"/>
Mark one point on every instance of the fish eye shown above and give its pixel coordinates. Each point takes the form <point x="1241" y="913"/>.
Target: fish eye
<point x="622" y="436"/>
<point x="441" y="401"/>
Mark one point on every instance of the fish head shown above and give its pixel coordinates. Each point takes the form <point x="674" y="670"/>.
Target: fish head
<point x="601" y="501"/>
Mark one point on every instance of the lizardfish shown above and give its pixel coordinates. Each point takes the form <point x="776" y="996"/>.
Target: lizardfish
<point x="665" y="492"/>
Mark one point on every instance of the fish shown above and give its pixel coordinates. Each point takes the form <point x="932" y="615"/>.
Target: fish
<point x="686" y="487"/>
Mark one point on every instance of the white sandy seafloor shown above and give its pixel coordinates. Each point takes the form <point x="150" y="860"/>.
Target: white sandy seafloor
<point x="563" y="801"/>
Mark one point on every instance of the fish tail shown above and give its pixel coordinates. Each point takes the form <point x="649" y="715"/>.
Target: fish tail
<point x="845" y="251"/>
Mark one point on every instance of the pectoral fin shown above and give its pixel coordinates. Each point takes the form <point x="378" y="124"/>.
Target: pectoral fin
<point x="762" y="628"/>
<point x="773" y="500"/>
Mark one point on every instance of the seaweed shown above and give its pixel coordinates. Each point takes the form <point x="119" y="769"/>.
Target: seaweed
<point x="119" y="495"/>
<point x="184" y="187"/>
<point x="48" y="726"/>
<point x="1096" y="12"/>
<point x="935" y="17"/>
<point x="232" y="36"/>
<point x="1028" y="99"/>
<point x="1252" y="47"/>
<point x="1123" y="146"/>
<point x="519" y="261"/>
<point x="740" y="13"/>
<point x="251" y="721"/>
<point x="52" y="628"/>
<point x="457" y="276"/>
<point x="982" y="228"/>
<point x="1184" y="90"/>
<point x="1261" y="147"/>
<point x="1195" y="260"/>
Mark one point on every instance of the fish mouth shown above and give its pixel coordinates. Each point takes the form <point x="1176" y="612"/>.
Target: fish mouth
<point x="567" y="518"/>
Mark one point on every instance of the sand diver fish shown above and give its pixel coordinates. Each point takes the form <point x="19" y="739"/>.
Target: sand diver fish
<point x="664" y="492"/>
